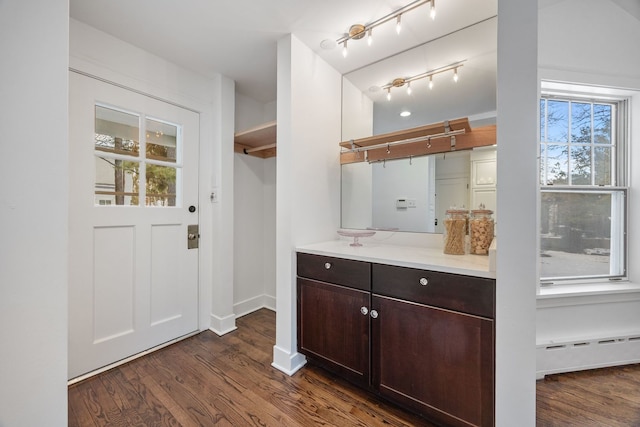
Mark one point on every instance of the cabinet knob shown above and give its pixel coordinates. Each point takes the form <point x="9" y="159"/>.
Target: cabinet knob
<point x="374" y="314"/>
<point x="424" y="281"/>
<point x="327" y="265"/>
<point x="364" y="310"/>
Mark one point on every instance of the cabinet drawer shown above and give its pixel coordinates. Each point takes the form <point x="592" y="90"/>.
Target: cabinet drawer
<point x="346" y="272"/>
<point x="473" y="295"/>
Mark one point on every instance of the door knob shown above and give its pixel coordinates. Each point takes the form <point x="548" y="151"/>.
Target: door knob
<point x="364" y="310"/>
<point x="192" y="236"/>
<point x="374" y="314"/>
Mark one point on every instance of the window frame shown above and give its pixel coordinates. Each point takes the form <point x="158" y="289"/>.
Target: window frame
<point x="619" y="177"/>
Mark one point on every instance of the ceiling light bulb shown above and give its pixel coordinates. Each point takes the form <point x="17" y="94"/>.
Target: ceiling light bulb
<point x="430" y="82"/>
<point x="433" y="9"/>
<point x="455" y="75"/>
<point x="370" y="37"/>
<point x="345" y="52"/>
<point x="409" y="88"/>
<point x="405" y="114"/>
<point x="389" y="94"/>
<point x="398" y="25"/>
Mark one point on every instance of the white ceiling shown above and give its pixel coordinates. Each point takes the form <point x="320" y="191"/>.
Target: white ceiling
<point x="238" y="38"/>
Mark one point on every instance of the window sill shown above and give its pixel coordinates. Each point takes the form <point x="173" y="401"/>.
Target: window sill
<point x="587" y="293"/>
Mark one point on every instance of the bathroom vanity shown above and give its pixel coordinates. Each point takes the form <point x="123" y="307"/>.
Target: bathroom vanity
<point x="410" y="324"/>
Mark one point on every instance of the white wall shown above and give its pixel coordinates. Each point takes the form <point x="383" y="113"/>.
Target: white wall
<point x="250" y="113"/>
<point x="269" y="232"/>
<point x="356" y="194"/>
<point x="357" y="111"/>
<point x="308" y="176"/>
<point x="254" y="234"/>
<point x="254" y="216"/>
<point x="414" y="183"/>
<point x="99" y="54"/>
<point x="33" y="212"/>
<point x="516" y="271"/>
<point x="569" y="52"/>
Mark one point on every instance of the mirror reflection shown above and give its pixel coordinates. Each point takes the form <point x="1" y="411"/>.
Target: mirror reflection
<point x="412" y="194"/>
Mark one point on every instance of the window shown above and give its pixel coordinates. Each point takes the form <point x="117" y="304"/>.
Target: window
<point x="583" y="198"/>
<point x="128" y="171"/>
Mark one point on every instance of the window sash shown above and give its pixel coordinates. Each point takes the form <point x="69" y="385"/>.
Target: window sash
<point x="618" y="232"/>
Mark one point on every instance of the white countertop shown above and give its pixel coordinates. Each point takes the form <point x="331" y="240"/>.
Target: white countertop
<point x="404" y="256"/>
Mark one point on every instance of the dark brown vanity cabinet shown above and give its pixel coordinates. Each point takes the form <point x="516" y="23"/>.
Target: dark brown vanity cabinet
<point x="433" y="343"/>
<point x="420" y="338"/>
<point x="333" y="314"/>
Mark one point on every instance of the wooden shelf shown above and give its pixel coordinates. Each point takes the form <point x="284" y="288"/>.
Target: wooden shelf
<point x="477" y="137"/>
<point x="259" y="141"/>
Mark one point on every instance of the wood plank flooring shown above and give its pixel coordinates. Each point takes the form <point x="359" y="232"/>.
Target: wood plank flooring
<point x="601" y="397"/>
<point x="208" y="380"/>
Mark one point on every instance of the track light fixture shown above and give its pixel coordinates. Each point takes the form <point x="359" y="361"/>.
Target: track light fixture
<point x="401" y="81"/>
<point x="358" y="31"/>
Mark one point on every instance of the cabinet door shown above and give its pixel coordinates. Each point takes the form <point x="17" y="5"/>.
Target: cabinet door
<point x="333" y="328"/>
<point x="435" y="361"/>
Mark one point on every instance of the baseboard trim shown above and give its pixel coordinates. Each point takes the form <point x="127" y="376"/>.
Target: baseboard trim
<point x="223" y="325"/>
<point x="287" y="362"/>
<point x="254" y="304"/>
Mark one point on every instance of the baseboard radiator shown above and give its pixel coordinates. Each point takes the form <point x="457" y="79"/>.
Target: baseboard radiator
<point x="569" y="356"/>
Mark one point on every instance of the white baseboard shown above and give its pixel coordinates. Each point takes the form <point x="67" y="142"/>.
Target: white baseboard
<point x="578" y="355"/>
<point x="223" y="325"/>
<point x="287" y="362"/>
<point x="253" y="304"/>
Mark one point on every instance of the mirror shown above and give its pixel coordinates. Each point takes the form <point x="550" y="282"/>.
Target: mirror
<point x="412" y="194"/>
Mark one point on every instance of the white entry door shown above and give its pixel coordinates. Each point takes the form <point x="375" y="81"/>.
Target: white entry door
<point x="133" y="283"/>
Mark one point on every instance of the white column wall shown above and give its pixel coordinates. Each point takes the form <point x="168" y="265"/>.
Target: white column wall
<point x="307" y="177"/>
<point x="33" y="212"/>
<point x="517" y="203"/>
<point x="222" y="317"/>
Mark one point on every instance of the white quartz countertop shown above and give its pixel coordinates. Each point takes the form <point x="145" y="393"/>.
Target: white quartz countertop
<point x="404" y="256"/>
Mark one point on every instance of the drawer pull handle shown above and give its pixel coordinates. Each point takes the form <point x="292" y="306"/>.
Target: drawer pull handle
<point x="424" y="281"/>
<point x="374" y="314"/>
<point x="364" y="310"/>
<point x="327" y="265"/>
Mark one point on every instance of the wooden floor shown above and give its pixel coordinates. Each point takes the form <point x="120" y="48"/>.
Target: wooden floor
<point x="208" y="380"/>
<point x="601" y="397"/>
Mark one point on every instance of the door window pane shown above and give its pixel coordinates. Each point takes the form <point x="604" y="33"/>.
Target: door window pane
<point x="117" y="182"/>
<point x="161" y="141"/>
<point x="116" y="132"/>
<point x="161" y="185"/>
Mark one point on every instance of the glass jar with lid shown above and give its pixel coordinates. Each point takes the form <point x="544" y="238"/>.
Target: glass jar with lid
<point x="481" y="228"/>
<point x="455" y="230"/>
